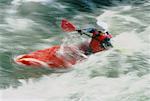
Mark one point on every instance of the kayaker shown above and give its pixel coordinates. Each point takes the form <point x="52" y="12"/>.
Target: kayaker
<point x="100" y="38"/>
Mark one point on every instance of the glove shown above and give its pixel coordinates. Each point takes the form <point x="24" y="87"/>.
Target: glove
<point x="106" y="39"/>
<point x="103" y="45"/>
<point x="106" y="43"/>
<point x="79" y="31"/>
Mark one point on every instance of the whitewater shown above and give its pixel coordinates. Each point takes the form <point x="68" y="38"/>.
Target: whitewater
<point x="119" y="74"/>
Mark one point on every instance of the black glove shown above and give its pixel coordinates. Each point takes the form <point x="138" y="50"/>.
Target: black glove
<point x="106" y="43"/>
<point x="80" y="32"/>
<point x="106" y="40"/>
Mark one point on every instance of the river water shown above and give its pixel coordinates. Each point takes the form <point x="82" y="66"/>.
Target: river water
<point x="119" y="74"/>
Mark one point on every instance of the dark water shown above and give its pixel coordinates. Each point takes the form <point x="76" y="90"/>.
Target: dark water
<point x="28" y="26"/>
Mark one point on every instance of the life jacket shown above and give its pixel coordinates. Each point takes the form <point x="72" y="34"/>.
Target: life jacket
<point x="97" y="38"/>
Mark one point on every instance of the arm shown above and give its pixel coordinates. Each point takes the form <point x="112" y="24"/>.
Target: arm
<point x="87" y="30"/>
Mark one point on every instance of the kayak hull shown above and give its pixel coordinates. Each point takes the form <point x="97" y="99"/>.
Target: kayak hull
<point x="52" y="57"/>
<point x="55" y="57"/>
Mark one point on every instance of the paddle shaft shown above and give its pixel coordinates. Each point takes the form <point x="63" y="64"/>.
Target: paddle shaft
<point x="90" y="36"/>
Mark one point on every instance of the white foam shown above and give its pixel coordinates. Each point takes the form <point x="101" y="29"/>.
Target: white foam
<point x="18" y="2"/>
<point x="14" y="24"/>
<point x="38" y="0"/>
<point x="65" y="86"/>
<point x="110" y="15"/>
<point x="128" y="42"/>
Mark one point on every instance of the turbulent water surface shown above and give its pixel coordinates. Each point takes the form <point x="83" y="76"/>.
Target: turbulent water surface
<point x="119" y="74"/>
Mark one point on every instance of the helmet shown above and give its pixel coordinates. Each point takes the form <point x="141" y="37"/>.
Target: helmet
<point x="102" y="26"/>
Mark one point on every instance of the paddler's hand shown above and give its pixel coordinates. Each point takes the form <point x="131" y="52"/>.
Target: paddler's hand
<point x="80" y="32"/>
<point x="106" y="43"/>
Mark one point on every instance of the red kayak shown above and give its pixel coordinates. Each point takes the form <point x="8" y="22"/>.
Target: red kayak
<point x="53" y="57"/>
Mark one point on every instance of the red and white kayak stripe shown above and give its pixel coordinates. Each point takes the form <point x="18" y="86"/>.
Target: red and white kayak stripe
<point x="33" y="62"/>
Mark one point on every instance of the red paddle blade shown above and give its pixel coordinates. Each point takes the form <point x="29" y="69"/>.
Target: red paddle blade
<point x="67" y="26"/>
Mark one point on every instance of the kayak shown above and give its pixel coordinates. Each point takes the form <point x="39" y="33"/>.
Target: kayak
<point x="49" y="57"/>
<point x="55" y="57"/>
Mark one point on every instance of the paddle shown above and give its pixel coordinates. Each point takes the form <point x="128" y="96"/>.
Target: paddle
<point x="69" y="27"/>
